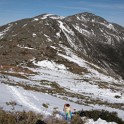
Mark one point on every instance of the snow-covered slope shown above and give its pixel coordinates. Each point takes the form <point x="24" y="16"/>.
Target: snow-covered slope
<point x="54" y="85"/>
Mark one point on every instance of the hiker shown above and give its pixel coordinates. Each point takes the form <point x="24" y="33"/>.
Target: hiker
<point x="68" y="113"/>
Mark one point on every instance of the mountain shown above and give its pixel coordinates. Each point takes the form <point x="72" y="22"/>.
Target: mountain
<point x="49" y="58"/>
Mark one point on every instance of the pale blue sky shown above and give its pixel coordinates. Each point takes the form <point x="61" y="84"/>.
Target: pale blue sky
<point x="12" y="10"/>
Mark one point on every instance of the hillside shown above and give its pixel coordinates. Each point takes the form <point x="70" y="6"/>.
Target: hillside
<point x="49" y="59"/>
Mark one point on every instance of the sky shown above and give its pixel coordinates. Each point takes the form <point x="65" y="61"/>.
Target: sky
<point x="12" y="10"/>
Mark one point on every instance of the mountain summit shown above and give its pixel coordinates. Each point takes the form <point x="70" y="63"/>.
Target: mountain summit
<point x="85" y="33"/>
<point x="80" y="56"/>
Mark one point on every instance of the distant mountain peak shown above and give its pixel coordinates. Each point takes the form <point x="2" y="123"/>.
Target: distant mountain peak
<point x="84" y="32"/>
<point x="86" y="16"/>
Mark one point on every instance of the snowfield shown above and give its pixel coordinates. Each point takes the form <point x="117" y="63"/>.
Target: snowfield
<point x="30" y="100"/>
<point x="49" y="72"/>
<point x="99" y="121"/>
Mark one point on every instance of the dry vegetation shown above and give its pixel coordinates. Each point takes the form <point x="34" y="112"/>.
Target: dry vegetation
<point x="33" y="118"/>
<point x="78" y="117"/>
<point x="19" y="117"/>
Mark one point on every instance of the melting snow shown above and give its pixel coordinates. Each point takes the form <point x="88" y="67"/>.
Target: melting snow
<point x="67" y="29"/>
<point x="101" y="30"/>
<point x="57" y="17"/>
<point x="58" y="34"/>
<point x="45" y="16"/>
<point x="48" y="38"/>
<point x="113" y="35"/>
<point x="82" y="18"/>
<point x="34" y="35"/>
<point x="24" y="47"/>
<point x="69" y="35"/>
<point x="110" y="26"/>
<point x="51" y="65"/>
<point x="5" y="30"/>
<point x="93" y="20"/>
<point x="83" y="31"/>
<point x="1" y="33"/>
<point x="83" y="25"/>
<point x="24" y="25"/>
<point x="99" y="121"/>
<point x="53" y="47"/>
<point x="35" y="19"/>
<point x="46" y="35"/>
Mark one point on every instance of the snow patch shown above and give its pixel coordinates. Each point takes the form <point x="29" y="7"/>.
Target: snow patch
<point x="58" y="34"/>
<point x="99" y="121"/>
<point x="45" y="16"/>
<point x="111" y="27"/>
<point x="65" y="29"/>
<point x="84" y="25"/>
<point x="57" y="17"/>
<point x="24" y="47"/>
<point x="93" y="20"/>
<point x="34" y="35"/>
<point x="24" y="25"/>
<point x="101" y="30"/>
<point x="81" y="18"/>
<point x="14" y="35"/>
<point x="48" y="38"/>
<point x="35" y="19"/>
<point x="53" y="47"/>
<point x="50" y="65"/>
<point x="46" y="35"/>
<point x="83" y="31"/>
<point x="5" y="30"/>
